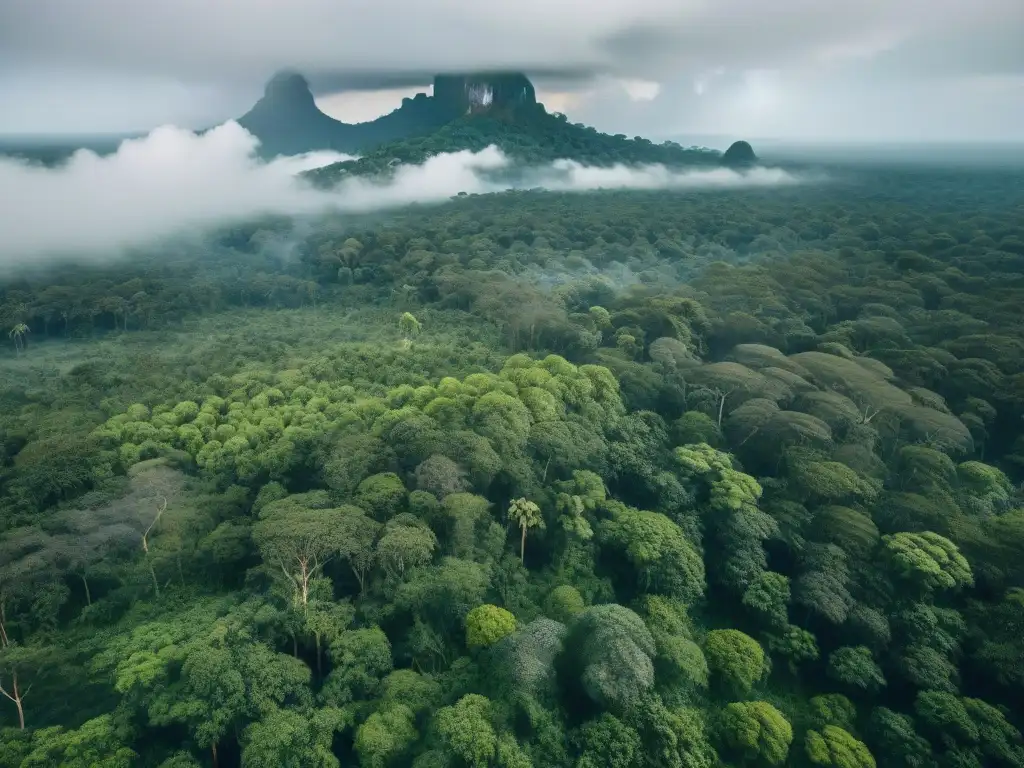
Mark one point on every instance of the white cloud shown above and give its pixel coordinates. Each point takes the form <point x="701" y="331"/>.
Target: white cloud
<point x="174" y="182"/>
<point x="570" y="176"/>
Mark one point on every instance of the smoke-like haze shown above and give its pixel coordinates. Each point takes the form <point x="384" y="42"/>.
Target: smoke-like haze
<point x="174" y="182"/>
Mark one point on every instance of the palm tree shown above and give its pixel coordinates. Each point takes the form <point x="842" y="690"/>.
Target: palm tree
<point x="526" y="515"/>
<point x="18" y="334"/>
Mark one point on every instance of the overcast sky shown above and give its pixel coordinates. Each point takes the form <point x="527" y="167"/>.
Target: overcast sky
<point x="800" y="69"/>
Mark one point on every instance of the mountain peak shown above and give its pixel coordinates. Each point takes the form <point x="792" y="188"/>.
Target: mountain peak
<point x="287" y="120"/>
<point x="290" y="89"/>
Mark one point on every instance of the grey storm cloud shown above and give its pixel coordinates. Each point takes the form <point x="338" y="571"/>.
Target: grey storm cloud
<point x="742" y="63"/>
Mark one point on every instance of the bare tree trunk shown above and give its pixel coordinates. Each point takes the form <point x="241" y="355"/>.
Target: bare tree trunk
<point x="213" y="749"/>
<point x="17" y="697"/>
<point x="359" y="577"/>
<point x="145" y="544"/>
<point x="522" y="547"/>
<point x="88" y="594"/>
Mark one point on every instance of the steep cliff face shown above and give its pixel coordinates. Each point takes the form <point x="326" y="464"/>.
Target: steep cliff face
<point x="459" y="95"/>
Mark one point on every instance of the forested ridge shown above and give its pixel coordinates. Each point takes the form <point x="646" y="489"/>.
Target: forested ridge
<point x="531" y="137"/>
<point x="717" y="478"/>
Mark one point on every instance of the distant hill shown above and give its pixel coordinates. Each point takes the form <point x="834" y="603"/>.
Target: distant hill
<point x="531" y="136"/>
<point x="55" y="150"/>
<point x="739" y="155"/>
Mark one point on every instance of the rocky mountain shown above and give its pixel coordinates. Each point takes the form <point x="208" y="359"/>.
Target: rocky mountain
<point x="466" y="111"/>
<point x="287" y="120"/>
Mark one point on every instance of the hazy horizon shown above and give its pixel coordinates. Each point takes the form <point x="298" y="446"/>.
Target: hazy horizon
<point x="775" y="145"/>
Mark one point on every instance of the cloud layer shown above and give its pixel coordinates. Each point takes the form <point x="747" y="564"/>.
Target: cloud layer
<point x="174" y="182"/>
<point x="789" y="67"/>
<point x="629" y="37"/>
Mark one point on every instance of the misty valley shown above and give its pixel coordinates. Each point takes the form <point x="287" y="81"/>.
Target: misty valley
<point x="472" y="437"/>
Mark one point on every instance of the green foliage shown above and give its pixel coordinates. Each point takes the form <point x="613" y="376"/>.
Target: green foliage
<point x="664" y="560"/>
<point x="832" y="709"/>
<point x="201" y="668"/>
<point x="834" y="747"/>
<point x="735" y="659"/>
<point x="896" y="741"/>
<point x="794" y="644"/>
<point x="385" y="736"/>
<point x="607" y="741"/>
<point x="264" y="510"/>
<point x="410" y="689"/>
<point x="291" y="739"/>
<point x="383" y="495"/>
<point x="610" y="651"/>
<point x="854" y="666"/>
<point x="929" y="560"/>
<point x="406" y="543"/>
<point x="564" y="603"/>
<point x="524" y="661"/>
<point x="466" y="730"/>
<point x="945" y="716"/>
<point x="757" y="731"/>
<point x="768" y="598"/>
<point x="487" y="624"/>
<point x="361" y="658"/>
<point x="95" y="744"/>
<point x="408" y="325"/>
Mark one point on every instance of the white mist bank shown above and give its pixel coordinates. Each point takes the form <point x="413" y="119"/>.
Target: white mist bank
<point x="571" y="176"/>
<point x="174" y="182"/>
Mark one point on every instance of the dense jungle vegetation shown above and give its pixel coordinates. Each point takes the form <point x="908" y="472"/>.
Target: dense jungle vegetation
<point x="533" y="137"/>
<point x="719" y="478"/>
